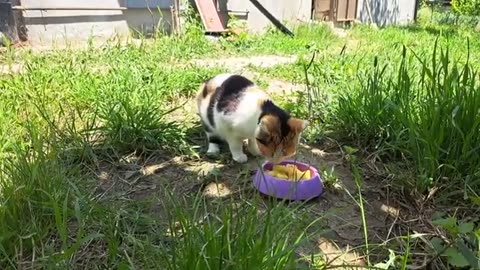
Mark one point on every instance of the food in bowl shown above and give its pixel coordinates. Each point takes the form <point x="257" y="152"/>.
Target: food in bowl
<point x="289" y="172"/>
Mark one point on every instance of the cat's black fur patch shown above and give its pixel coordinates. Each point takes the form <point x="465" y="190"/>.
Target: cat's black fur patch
<point x="228" y="95"/>
<point x="215" y="139"/>
<point x="269" y="108"/>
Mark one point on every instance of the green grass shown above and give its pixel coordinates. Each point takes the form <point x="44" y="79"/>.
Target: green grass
<point x="71" y="114"/>
<point x="236" y="237"/>
<point x="426" y="108"/>
<point x="407" y="96"/>
<point x="68" y="114"/>
<point x="414" y="105"/>
<point x="410" y="98"/>
<point x="275" y="42"/>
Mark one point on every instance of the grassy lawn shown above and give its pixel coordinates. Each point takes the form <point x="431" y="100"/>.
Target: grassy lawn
<point x="102" y="165"/>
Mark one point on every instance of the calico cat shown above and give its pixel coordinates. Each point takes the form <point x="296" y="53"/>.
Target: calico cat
<point x="232" y="108"/>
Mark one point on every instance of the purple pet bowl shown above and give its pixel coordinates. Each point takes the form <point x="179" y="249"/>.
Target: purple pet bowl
<point x="290" y="190"/>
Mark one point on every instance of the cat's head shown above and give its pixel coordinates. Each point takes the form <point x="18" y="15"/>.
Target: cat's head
<point x="277" y="137"/>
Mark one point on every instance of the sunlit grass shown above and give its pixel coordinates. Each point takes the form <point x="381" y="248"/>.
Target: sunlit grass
<point x="68" y="114"/>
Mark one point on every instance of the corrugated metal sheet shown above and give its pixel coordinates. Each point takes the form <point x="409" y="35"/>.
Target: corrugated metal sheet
<point x="386" y="12"/>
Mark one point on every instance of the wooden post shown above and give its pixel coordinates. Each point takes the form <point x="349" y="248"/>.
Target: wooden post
<point x="8" y="26"/>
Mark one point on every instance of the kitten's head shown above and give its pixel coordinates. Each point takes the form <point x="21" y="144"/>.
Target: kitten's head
<point x="277" y="137"/>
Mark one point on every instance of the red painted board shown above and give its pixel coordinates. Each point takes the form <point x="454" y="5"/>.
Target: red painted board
<point x="210" y="17"/>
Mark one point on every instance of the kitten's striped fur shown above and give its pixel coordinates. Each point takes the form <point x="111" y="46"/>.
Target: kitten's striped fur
<point x="232" y="108"/>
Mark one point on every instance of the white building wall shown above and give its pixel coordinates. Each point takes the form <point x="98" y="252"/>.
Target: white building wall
<point x="57" y="26"/>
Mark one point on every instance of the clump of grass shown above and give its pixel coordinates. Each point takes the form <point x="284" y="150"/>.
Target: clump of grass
<point x="34" y="200"/>
<point x="427" y="109"/>
<point x="235" y="237"/>
<point x="367" y="124"/>
<point x="132" y="127"/>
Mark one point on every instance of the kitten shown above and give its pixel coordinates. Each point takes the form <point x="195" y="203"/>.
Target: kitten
<point x="232" y="108"/>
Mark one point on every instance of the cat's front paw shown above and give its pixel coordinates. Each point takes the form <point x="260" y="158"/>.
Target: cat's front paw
<point x="241" y="158"/>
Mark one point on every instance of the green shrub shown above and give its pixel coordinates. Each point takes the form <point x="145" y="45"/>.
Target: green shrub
<point x="466" y="7"/>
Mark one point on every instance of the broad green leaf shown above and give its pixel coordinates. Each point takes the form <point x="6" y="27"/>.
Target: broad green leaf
<point x="445" y="222"/>
<point x="437" y="244"/>
<point x="465" y="227"/>
<point x="350" y="150"/>
<point x="468" y="254"/>
<point x="455" y="258"/>
<point x="449" y="224"/>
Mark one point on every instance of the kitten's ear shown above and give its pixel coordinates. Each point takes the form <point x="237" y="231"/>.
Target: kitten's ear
<point x="298" y="125"/>
<point x="263" y="125"/>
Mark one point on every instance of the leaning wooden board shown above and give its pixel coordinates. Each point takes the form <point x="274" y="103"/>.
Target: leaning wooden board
<point x="210" y="16"/>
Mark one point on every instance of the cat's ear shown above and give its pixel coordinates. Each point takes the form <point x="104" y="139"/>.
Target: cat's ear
<point x="298" y="125"/>
<point x="263" y="126"/>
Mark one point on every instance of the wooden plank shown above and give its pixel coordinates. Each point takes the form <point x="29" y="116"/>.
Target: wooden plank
<point x="346" y="10"/>
<point x="341" y="10"/>
<point x="352" y="10"/>
<point x="210" y="16"/>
